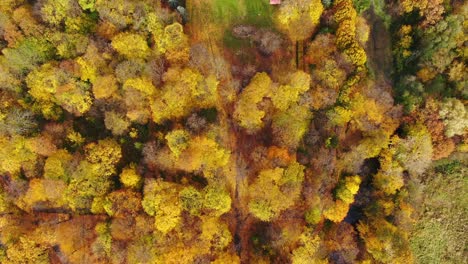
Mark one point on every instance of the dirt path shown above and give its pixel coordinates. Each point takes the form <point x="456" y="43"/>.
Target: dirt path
<point x="202" y="29"/>
<point x="379" y="49"/>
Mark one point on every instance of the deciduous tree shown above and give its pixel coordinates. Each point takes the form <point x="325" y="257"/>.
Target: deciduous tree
<point x="247" y="112"/>
<point x="275" y="190"/>
<point x="161" y="200"/>
<point x="131" y="45"/>
<point x="299" y="18"/>
<point x="455" y="117"/>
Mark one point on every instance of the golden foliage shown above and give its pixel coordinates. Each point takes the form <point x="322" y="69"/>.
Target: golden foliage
<point x="298" y="18"/>
<point x="337" y="212"/>
<point x="161" y="200"/>
<point x="185" y="89"/>
<point x="275" y="190"/>
<point x="131" y="45"/>
<point x="307" y="252"/>
<point x="130" y="178"/>
<point x="247" y="113"/>
<point x="285" y="95"/>
<point x="104" y="86"/>
<point x="57" y="165"/>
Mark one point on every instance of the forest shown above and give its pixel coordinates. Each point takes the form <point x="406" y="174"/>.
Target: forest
<point x="233" y="131"/>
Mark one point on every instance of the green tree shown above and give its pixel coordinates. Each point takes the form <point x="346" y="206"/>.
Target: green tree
<point x="28" y="54"/>
<point x="88" y="181"/>
<point x="17" y="121"/>
<point x="361" y="5"/>
<point x="441" y="43"/>
<point x="348" y="188"/>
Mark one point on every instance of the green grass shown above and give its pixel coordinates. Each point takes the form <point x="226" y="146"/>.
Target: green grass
<point x="259" y="12"/>
<point x="226" y="11"/>
<point x="234" y="43"/>
<point x="255" y="12"/>
<point x="439" y="235"/>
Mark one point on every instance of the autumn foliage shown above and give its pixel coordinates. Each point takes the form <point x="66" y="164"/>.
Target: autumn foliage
<point x="232" y="131"/>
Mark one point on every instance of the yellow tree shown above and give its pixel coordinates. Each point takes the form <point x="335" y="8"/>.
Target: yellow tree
<point x="215" y="235"/>
<point x="204" y="154"/>
<point x="16" y="153"/>
<point x="275" y="190"/>
<point x="346" y="190"/>
<point x="389" y="178"/>
<point x="161" y="200"/>
<point x="74" y="97"/>
<point x="51" y="85"/>
<point x="246" y="112"/>
<point x="298" y="19"/>
<point x="177" y="141"/>
<point x="308" y="250"/>
<point x="106" y="153"/>
<point x="26" y="250"/>
<point x="385" y="242"/>
<point x="185" y="89"/>
<point x="131" y="45"/>
<point x="44" y="191"/>
<point x="104" y="86"/>
<point x="174" y="44"/>
<point x="123" y="203"/>
<point x="130" y="178"/>
<point x="57" y="166"/>
<point x="290" y="126"/>
<point x="346" y="34"/>
<point x="283" y="96"/>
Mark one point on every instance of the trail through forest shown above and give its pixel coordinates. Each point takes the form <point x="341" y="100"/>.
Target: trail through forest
<point x="208" y="24"/>
<point x="379" y="48"/>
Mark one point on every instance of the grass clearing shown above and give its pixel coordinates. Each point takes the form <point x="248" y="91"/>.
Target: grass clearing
<point x="259" y="13"/>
